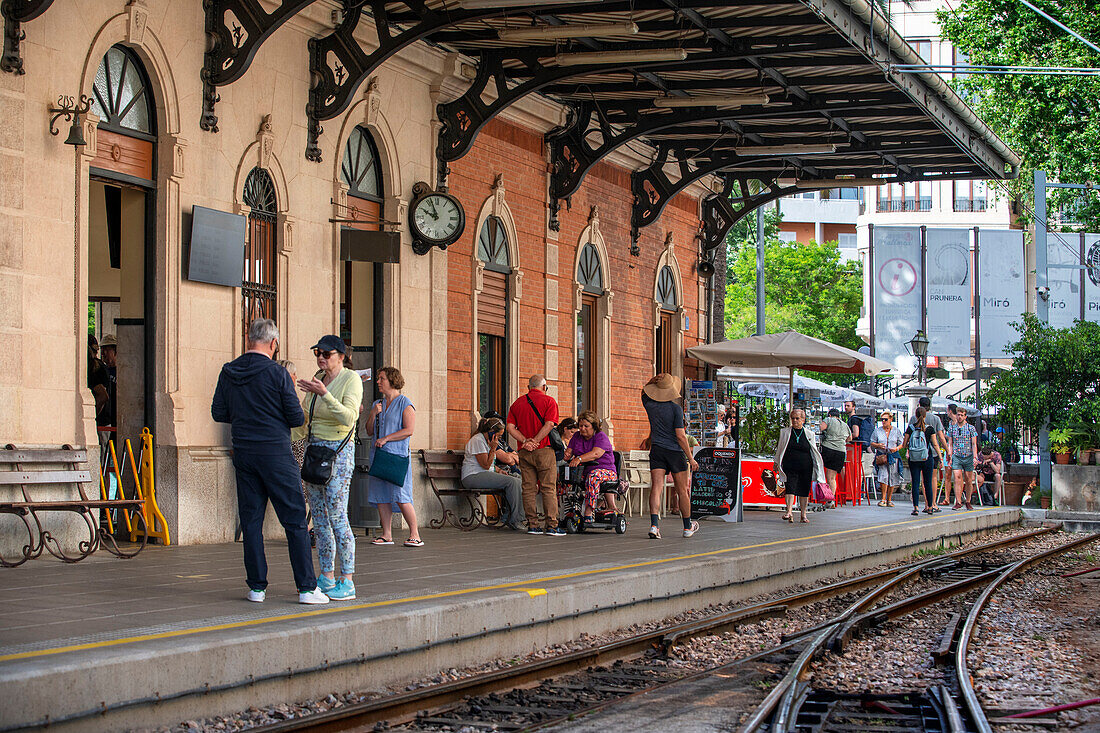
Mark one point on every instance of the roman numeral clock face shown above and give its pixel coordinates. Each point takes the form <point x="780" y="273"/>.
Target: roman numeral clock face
<point x="438" y="219"/>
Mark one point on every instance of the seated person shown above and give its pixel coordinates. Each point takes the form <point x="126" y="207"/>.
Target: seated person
<point x="477" y="470"/>
<point x="507" y="457"/>
<point x="591" y="446"/>
<point x="567" y="428"/>
<point x="989" y="468"/>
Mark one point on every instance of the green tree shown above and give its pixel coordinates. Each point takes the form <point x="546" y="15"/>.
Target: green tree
<point x="808" y="288"/>
<point x="1055" y="372"/>
<point x="1053" y="122"/>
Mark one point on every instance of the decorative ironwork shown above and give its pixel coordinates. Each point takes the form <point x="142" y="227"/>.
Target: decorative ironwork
<point x="17" y="12"/>
<point x="120" y="94"/>
<point x="589" y="276"/>
<point x="492" y="245"/>
<point x="666" y="289"/>
<point x="235" y="30"/>
<point x="360" y="168"/>
<point x="72" y="111"/>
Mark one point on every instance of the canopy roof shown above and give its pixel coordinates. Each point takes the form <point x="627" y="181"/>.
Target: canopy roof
<point x="790" y="349"/>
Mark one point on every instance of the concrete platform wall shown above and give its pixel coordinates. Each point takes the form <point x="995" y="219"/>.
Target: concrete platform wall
<point x="409" y="638"/>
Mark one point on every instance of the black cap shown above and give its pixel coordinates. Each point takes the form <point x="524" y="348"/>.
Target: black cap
<point x="331" y="343"/>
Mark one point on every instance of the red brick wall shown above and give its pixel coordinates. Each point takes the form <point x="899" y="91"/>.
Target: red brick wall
<point x="518" y="154"/>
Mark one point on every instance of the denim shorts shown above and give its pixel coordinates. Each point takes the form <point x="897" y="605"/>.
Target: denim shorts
<point x="962" y="463"/>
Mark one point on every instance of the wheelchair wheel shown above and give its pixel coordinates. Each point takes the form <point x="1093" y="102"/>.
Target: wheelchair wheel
<point x="572" y="523"/>
<point x="620" y="524"/>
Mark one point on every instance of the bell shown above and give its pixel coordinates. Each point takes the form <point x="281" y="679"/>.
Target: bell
<point x="76" y="133"/>
<point x="706" y="268"/>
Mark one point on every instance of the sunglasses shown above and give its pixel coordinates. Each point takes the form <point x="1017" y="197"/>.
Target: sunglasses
<point x="326" y="354"/>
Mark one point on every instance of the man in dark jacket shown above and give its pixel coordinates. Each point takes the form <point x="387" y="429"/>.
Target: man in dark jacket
<point x="256" y="396"/>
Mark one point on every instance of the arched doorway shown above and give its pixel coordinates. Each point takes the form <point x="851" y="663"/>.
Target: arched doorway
<point x="362" y="283"/>
<point x="121" y="258"/>
<point x="493" y="324"/>
<point x="667" y="339"/>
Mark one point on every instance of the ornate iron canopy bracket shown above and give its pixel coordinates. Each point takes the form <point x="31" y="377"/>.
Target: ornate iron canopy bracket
<point x="17" y="12"/>
<point x="235" y="30"/>
<point x="721" y="211"/>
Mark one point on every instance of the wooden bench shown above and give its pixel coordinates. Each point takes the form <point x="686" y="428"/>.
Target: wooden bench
<point x="35" y="467"/>
<point x="444" y="469"/>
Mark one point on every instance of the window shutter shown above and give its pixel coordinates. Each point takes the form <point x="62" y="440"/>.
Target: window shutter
<point x="492" y="303"/>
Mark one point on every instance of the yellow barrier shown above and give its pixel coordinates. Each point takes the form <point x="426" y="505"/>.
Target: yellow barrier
<point x="144" y="488"/>
<point x="154" y="520"/>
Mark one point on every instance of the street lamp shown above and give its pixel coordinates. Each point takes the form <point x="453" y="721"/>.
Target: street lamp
<point x="919" y="346"/>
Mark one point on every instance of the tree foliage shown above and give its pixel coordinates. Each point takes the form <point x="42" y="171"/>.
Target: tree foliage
<point x="1053" y="122"/>
<point x="808" y="288"/>
<point x="1055" y="373"/>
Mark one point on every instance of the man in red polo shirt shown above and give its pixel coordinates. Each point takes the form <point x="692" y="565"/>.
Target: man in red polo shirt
<point x="530" y="420"/>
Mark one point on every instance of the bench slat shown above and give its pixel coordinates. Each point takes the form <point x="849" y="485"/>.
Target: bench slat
<point x="43" y="456"/>
<point x="448" y="472"/>
<point x="44" y="477"/>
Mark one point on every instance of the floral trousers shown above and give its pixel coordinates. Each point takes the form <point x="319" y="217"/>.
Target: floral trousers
<point x="329" y="504"/>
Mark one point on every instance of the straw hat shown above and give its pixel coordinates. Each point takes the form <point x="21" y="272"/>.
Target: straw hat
<point x="663" y="388"/>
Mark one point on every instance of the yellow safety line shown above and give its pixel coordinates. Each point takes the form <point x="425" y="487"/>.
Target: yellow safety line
<point x="432" y="596"/>
<point x="533" y="592"/>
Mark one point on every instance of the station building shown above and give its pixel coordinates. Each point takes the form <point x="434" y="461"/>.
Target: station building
<point x="599" y="154"/>
<point x="95" y="238"/>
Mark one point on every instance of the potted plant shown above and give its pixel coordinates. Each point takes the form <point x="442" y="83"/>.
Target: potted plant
<point x="1061" y="440"/>
<point x="1084" y="438"/>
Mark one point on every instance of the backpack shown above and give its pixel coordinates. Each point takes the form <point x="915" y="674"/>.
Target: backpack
<point x="866" y="430"/>
<point x="918" y="446"/>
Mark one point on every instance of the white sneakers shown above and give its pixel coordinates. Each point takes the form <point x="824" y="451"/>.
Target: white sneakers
<point x="314" y="597"/>
<point x="692" y="529"/>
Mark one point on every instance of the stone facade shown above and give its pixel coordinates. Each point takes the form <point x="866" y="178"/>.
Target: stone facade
<point x="45" y="190"/>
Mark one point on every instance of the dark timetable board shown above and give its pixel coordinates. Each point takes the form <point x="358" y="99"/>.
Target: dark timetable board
<point x="716" y="486"/>
<point x="217" y="247"/>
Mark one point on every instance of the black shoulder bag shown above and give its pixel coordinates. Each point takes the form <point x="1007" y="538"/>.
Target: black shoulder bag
<point x="318" y="461"/>
<point x="554" y="436"/>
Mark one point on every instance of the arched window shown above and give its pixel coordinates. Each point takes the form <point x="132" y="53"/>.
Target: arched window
<point x="492" y="245"/>
<point x="667" y="331"/>
<point x="590" y="278"/>
<point x="588" y="272"/>
<point x="492" y="316"/>
<point x="120" y="95"/>
<point x="360" y="168"/>
<point x="258" y="292"/>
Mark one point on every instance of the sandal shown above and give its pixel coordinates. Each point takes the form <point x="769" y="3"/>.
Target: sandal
<point x="381" y="541"/>
<point x="882" y="503"/>
<point x="803" y="520"/>
<point x="414" y="543"/>
<point x="889" y="503"/>
<point x="788" y="517"/>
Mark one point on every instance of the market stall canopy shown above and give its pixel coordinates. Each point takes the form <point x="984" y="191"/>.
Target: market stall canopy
<point x="831" y="395"/>
<point x="767" y="374"/>
<point x="789" y="349"/>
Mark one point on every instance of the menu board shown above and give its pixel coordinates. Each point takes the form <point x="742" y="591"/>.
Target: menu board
<point x="701" y="412"/>
<point x="716" y="486"/>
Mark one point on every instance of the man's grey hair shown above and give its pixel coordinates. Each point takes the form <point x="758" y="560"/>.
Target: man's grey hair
<point x="262" y="331"/>
<point x="537" y="381"/>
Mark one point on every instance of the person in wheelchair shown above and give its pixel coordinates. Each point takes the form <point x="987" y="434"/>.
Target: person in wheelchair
<point x="590" y="450"/>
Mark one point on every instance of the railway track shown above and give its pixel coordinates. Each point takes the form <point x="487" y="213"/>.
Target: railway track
<point x="544" y="693"/>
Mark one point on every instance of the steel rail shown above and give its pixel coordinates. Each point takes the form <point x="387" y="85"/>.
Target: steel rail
<point x="405" y="705"/>
<point x="966" y="685"/>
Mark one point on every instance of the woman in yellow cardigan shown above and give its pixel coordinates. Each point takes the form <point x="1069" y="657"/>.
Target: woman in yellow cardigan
<point x="331" y="404"/>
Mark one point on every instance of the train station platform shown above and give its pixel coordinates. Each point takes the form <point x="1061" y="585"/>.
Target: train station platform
<point x="110" y="644"/>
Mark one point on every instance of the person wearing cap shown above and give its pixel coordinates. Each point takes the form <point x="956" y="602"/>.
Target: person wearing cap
<point x="331" y="405"/>
<point x="256" y="397"/>
<point x="108" y="350"/>
<point x="669" y="451"/>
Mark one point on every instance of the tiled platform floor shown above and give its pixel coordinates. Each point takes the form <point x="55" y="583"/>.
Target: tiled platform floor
<point x="47" y="607"/>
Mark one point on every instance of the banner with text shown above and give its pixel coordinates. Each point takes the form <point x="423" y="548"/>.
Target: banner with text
<point x="896" y="289"/>
<point x="949" y="291"/>
<point x="1064" y="303"/>
<point x="1092" y="278"/>
<point x="1003" y="289"/>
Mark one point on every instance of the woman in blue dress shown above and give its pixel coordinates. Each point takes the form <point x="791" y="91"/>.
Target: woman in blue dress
<point x="391" y="422"/>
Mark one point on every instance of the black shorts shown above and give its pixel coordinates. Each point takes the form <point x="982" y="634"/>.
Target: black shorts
<point x="833" y="459"/>
<point x="673" y="461"/>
